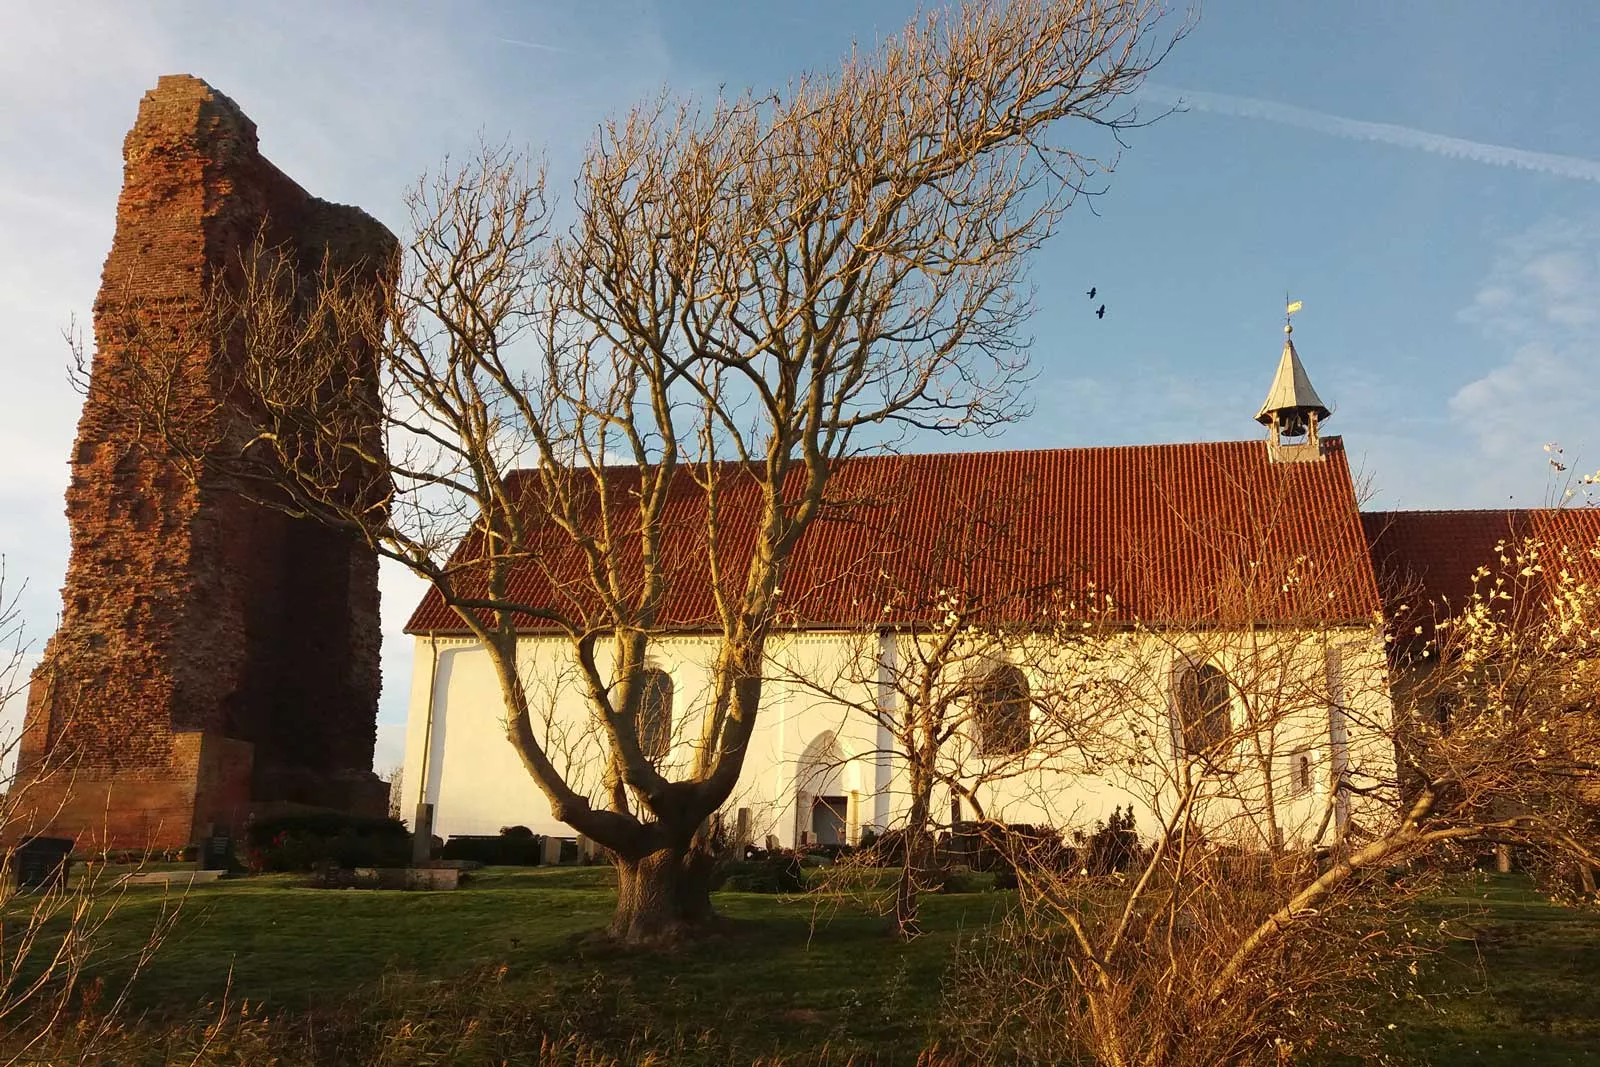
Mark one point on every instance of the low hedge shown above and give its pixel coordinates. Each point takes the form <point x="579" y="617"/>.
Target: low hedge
<point x="495" y="850"/>
<point x="773" y="872"/>
<point x="306" y="841"/>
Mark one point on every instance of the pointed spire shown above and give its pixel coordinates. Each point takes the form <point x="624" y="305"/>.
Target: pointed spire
<point x="1291" y="401"/>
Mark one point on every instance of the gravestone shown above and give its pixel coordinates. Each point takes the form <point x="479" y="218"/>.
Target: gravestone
<point x="216" y="853"/>
<point x="42" y="862"/>
<point x="550" y="850"/>
<point x="422" y="835"/>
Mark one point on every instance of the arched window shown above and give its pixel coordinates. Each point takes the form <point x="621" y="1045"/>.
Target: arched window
<point x="1300" y="774"/>
<point x="1203" y="708"/>
<point x="1001" y="707"/>
<point x="655" y="714"/>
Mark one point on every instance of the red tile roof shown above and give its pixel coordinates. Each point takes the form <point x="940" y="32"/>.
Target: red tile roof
<point x="1203" y="532"/>
<point x="1425" y="559"/>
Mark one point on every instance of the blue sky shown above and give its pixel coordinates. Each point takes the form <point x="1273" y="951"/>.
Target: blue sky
<point x="1425" y="176"/>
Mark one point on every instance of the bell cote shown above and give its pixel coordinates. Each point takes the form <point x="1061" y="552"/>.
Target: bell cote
<point x="1292" y="413"/>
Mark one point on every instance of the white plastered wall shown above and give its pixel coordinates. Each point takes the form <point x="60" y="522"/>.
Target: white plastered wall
<point x="478" y="784"/>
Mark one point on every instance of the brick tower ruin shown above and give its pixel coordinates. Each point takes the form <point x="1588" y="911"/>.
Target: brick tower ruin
<point x="215" y="658"/>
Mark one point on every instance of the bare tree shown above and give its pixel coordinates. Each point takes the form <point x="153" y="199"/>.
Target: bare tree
<point x="1505" y="726"/>
<point x="395" y="779"/>
<point x="750" y="293"/>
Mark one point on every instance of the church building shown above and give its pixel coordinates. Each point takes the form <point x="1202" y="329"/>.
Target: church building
<point x="1153" y="616"/>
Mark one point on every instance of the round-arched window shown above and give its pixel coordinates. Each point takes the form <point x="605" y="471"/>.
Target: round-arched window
<point x="655" y="714"/>
<point x="1203" y="708"/>
<point x="1001" y="699"/>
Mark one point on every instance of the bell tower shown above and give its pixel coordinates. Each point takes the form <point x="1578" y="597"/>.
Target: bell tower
<point x="1292" y="412"/>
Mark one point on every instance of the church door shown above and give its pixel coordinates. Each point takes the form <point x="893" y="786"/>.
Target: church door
<point x="828" y="816"/>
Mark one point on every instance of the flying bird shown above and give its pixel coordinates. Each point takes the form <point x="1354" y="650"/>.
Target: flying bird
<point x="1092" y="290"/>
<point x="1101" y="313"/>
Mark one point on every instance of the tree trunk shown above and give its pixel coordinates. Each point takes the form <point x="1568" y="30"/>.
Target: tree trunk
<point x="913" y="872"/>
<point x="906" y="923"/>
<point x="662" y="897"/>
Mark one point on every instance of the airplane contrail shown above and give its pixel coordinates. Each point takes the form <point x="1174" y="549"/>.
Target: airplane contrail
<point x="536" y="45"/>
<point x="1383" y="132"/>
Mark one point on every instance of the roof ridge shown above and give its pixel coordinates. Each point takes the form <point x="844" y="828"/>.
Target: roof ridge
<point x="1470" y="511"/>
<point x="1012" y="452"/>
<point x="997" y="452"/>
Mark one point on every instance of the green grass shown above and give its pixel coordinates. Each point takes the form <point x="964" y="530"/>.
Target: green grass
<point x="787" y="975"/>
<point x="1520" y="987"/>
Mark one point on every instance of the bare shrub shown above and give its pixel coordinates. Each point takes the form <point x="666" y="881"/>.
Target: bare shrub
<point x="1055" y="984"/>
<point x="395" y="777"/>
<point x="53" y="937"/>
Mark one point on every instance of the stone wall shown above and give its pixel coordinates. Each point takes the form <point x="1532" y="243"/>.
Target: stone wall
<point x="214" y="656"/>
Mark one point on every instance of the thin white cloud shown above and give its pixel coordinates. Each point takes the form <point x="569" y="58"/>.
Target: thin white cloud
<point x="536" y="46"/>
<point x="1248" y="107"/>
<point x="1540" y="302"/>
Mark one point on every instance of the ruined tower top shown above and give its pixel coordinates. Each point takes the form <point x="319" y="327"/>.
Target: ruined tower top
<point x="183" y="113"/>
<point x="196" y="191"/>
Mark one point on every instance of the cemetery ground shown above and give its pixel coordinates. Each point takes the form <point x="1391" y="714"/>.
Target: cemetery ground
<point x="265" y="969"/>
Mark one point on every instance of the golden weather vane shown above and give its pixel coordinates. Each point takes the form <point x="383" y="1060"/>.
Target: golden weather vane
<point x="1290" y="307"/>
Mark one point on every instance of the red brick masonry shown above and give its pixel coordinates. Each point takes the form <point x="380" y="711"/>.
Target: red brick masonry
<point x="214" y="657"/>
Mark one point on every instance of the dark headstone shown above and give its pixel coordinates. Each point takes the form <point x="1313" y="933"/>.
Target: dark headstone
<point x="422" y="838"/>
<point x="42" y="862"/>
<point x="216" y="853"/>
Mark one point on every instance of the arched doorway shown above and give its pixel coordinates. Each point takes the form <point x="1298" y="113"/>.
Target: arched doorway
<point x="825" y="805"/>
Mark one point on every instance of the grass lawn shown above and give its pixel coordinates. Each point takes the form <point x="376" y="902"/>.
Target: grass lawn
<point x="1526" y="982"/>
<point x="789" y="976"/>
